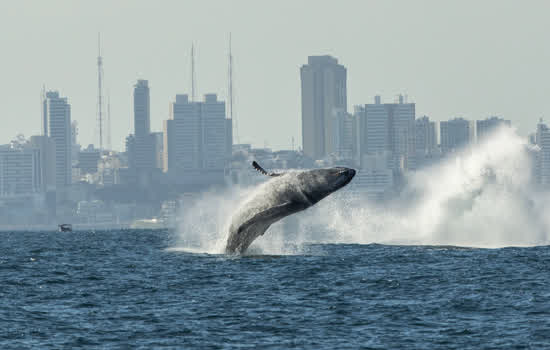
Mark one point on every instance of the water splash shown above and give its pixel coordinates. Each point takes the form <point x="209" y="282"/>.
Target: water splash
<point x="482" y="197"/>
<point x="204" y="224"/>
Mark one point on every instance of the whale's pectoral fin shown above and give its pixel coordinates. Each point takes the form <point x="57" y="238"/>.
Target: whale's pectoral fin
<point x="262" y="170"/>
<point x="267" y="217"/>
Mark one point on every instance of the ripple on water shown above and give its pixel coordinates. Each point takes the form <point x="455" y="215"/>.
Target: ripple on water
<point x="127" y="289"/>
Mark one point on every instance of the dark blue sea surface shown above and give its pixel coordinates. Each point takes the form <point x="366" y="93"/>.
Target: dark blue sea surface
<point x="125" y="289"/>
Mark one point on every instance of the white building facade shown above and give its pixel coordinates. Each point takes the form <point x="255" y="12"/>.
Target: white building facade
<point x="195" y="140"/>
<point x="390" y="129"/>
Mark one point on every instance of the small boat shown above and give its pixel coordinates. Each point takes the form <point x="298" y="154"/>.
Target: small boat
<point x="65" y="228"/>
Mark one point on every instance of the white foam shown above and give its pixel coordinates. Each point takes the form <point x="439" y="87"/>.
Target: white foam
<point x="483" y="197"/>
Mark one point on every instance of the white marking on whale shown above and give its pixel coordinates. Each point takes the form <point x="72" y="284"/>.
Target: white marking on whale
<point x="283" y="195"/>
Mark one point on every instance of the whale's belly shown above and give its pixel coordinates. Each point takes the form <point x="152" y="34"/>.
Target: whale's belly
<point x="277" y="199"/>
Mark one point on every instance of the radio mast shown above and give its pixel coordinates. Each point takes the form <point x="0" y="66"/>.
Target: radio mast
<point x="44" y="112"/>
<point x="100" y="92"/>
<point x="231" y="95"/>
<point x="109" y="146"/>
<point x="192" y="73"/>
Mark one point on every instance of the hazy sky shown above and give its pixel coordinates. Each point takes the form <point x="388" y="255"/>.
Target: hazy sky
<point x="463" y="58"/>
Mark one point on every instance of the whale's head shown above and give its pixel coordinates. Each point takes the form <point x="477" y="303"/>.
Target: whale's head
<point x="316" y="184"/>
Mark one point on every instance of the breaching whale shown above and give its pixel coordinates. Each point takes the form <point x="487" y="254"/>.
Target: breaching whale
<point x="283" y="195"/>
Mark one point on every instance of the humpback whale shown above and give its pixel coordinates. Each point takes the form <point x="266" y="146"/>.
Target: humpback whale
<point x="284" y="194"/>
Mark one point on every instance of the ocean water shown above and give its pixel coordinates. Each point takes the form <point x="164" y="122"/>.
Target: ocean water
<point x="130" y="289"/>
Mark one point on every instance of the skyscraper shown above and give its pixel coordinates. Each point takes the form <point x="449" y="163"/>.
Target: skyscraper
<point x="403" y="133"/>
<point x="130" y="150"/>
<point x="426" y="142"/>
<point x="455" y="134"/>
<point x="88" y="159"/>
<point x="344" y="129"/>
<point x="214" y="125"/>
<point x="58" y="117"/>
<point x="360" y="120"/>
<point x="324" y="95"/>
<point x="543" y="156"/>
<point x="426" y="137"/>
<point x="195" y="142"/>
<point x="158" y="148"/>
<point x="143" y="156"/>
<point x="378" y="128"/>
<point x="46" y="146"/>
<point x="485" y="127"/>
<point x="390" y="128"/>
<point x="20" y="169"/>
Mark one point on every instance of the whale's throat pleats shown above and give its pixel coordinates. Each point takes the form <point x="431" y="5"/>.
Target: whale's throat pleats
<point x="271" y="215"/>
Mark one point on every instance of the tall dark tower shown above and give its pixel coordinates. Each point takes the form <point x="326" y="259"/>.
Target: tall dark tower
<point x="324" y="96"/>
<point x="143" y="147"/>
<point x="58" y="115"/>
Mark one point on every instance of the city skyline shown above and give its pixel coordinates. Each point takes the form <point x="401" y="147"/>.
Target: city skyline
<point x="309" y="174"/>
<point x="452" y="72"/>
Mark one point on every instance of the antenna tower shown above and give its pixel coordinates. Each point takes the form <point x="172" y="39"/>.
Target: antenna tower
<point x="100" y="92"/>
<point x="109" y="146"/>
<point x="43" y="111"/>
<point x="192" y="73"/>
<point x="231" y="95"/>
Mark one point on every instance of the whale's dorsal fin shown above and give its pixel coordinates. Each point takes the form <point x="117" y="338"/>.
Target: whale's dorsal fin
<point x="261" y="170"/>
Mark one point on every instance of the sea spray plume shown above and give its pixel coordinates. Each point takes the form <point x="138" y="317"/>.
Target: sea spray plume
<point x="482" y="197"/>
<point x="479" y="197"/>
<point x="283" y="195"/>
<point x="203" y="221"/>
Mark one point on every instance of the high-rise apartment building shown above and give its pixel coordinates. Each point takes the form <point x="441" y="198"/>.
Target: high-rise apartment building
<point x="214" y="125"/>
<point x="130" y="150"/>
<point x="543" y="156"/>
<point x="404" y="151"/>
<point x="426" y="136"/>
<point x="75" y="147"/>
<point x="158" y="148"/>
<point x="344" y="133"/>
<point x="195" y="140"/>
<point x="390" y="128"/>
<point x="20" y="170"/>
<point x="378" y="128"/>
<point x="455" y="134"/>
<point x="360" y="125"/>
<point x="324" y="95"/>
<point x="46" y="146"/>
<point x="88" y="160"/>
<point x="143" y="157"/>
<point x="486" y="126"/>
<point x="58" y="117"/>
